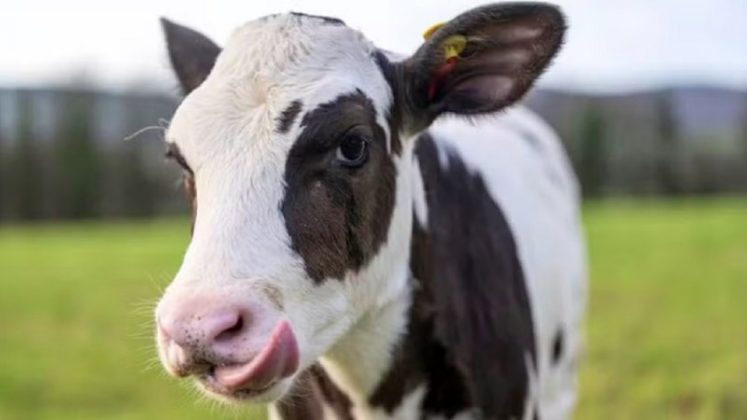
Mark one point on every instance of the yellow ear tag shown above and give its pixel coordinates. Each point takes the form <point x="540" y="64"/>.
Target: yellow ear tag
<point x="454" y="45"/>
<point x="430" y="31"/>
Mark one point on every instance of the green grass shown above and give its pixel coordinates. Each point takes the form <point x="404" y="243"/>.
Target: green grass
<point x="667" y="330"/>
<point x="667" y="333"/>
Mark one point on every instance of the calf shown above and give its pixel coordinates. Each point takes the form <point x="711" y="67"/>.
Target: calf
<point x="371" y="239"/>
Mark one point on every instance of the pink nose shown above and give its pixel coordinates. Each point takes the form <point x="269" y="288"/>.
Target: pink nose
<point x="204" y="331"/>
<point x="231" y="346"/>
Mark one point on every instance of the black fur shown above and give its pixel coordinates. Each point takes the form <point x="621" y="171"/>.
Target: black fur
<point x="420" y="358"/>
<point x="471" y="333"/>
<point x="312" y="389"/>
<point x="338" y="217"/>
<point x="557" y="347"/>
<point x="192" y="54"/>
<point x="288" y="116"/>
<point x="471" y="87"/>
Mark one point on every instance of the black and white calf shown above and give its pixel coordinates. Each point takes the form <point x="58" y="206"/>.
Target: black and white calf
<point x="360" y="248"/>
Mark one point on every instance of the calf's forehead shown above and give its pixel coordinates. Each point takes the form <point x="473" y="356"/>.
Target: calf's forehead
<point x="268" y="66"/>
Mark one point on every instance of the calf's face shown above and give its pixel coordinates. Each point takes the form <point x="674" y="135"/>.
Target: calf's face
<point x="295" y="143"/>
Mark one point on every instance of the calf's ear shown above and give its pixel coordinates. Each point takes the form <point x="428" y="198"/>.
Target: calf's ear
<point x="192" y="54"/>
<point x="482" y="60"/>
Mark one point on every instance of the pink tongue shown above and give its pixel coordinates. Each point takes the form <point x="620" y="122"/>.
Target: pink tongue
<point x="277" y="360"/>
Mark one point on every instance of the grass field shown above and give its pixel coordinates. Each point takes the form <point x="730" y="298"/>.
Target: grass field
<point x="667" y="331"/>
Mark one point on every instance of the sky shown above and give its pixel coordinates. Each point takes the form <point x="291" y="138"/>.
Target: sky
<point x="612" y="45"/>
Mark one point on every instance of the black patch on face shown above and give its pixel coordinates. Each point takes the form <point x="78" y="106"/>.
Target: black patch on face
<point x="288" y="116"/>
<point x="557" y="347"/>
<point x="470" y="326"/>
<point x="326" y="19"/>
<point x="311" y="389"/>
<point x="337" y="216"/>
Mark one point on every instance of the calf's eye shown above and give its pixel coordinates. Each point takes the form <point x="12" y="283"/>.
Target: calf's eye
<point x="352" y="151"/>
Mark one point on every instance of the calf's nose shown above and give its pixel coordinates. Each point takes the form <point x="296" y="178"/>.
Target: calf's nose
<point x="232" y="344"/>
<point x="202" y="329"/>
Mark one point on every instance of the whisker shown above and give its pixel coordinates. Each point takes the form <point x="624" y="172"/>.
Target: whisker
<point x="144" y="130"/>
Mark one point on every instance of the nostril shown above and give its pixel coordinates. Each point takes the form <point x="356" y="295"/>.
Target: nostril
<point x="232" y="330"/>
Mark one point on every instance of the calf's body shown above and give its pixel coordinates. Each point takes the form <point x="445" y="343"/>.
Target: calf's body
<point x="360" y="250"/>
<point x="497" y="285"/>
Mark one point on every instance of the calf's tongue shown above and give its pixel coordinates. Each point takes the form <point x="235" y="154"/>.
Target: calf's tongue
<point x="277" y="360"/>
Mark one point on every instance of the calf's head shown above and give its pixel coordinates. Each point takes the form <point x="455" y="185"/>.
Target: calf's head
<point x="296" y="144"/>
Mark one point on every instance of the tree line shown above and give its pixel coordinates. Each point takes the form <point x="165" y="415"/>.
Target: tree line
<point x="73" y="173"/>
<point x="80" y="167"/>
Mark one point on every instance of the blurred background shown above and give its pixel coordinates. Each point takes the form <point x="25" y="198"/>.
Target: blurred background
<point x="649" y="96"/>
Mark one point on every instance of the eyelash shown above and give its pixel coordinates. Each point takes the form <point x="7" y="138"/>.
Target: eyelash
<point x="174" y="155"/>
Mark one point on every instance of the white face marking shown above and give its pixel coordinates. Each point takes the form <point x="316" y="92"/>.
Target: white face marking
<point x="226" y="130"/>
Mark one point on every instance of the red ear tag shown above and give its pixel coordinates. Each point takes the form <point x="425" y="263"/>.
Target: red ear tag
<point x="440" y="74"/>
<point x="453" y="46"/>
